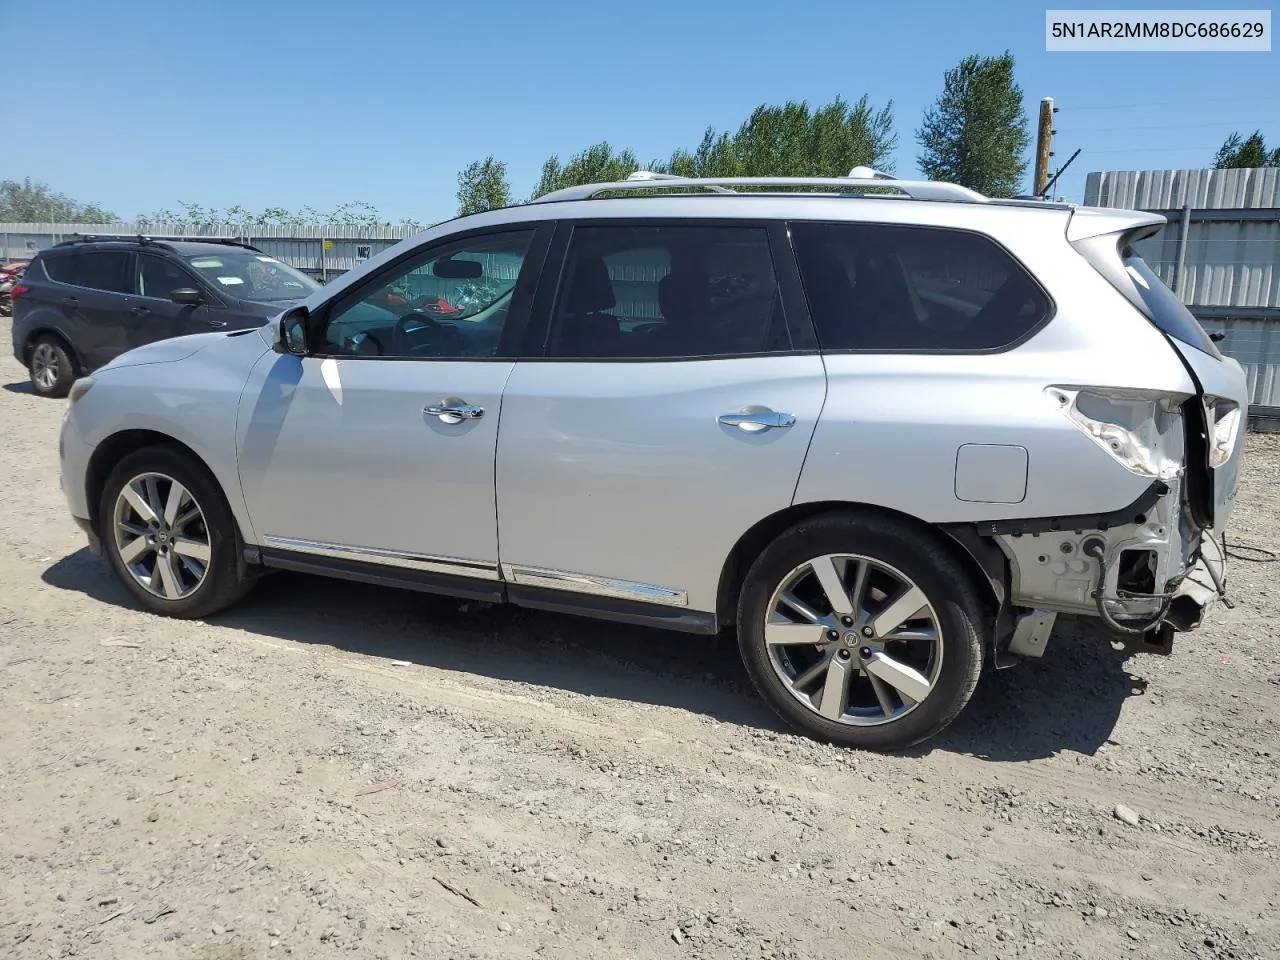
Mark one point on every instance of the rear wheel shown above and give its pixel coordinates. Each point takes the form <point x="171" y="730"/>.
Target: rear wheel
<point x="170" y="535"/>
<point x="51" y="368"/>
<point x="861" y="631"/>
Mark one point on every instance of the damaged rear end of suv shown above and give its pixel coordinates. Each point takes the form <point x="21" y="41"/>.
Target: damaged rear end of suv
<point x="1154" y="568"/>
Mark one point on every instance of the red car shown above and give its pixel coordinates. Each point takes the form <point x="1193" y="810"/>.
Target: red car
<point x="10" y="274"/>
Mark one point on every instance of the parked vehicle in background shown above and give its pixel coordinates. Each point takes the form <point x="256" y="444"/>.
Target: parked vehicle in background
<point x="884" y="438"/>
<point x="10" y="275"/>
<point x="86" y="301"/>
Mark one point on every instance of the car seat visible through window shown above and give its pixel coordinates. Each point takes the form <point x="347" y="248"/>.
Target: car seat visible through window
<point x="584" y="328"/>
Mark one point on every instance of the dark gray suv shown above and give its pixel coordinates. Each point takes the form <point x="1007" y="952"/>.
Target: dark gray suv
<point x="85" y="301"/>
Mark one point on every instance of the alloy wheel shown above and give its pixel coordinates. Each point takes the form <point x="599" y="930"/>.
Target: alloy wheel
<point x="853" y="639"/>
<point x="162" y="536"/>
<point x="44" y="365"/>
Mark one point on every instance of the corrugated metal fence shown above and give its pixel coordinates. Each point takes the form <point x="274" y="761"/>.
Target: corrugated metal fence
<point x="323" y="252"/>
<point x="1220" y="253"/>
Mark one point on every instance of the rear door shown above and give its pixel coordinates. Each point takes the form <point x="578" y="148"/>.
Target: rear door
<point x="668" y="410"/>
<point x="154" y="316"/>
<point x="93" y="299"/>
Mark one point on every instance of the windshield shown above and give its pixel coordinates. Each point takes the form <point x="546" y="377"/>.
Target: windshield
<point x="253" y="276"/>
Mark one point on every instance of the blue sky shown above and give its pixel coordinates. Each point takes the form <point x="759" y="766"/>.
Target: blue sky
<point x="142" y="104"/>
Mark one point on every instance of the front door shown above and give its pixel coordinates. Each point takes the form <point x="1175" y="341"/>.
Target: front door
<point x="376" y="451"/>
<point x="153" y="315"/>
<point x="672" y="411"/>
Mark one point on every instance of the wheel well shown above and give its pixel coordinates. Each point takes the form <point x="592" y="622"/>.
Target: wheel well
<point x="752" y="543"/>
<point x="49" y="332"/>
<point x="114" y="449"/>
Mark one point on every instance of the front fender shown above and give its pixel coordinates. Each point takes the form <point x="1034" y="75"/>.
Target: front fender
<point x="193" y="401"/>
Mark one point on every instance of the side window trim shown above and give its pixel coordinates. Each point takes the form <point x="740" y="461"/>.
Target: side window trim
<point x="786" y="273"/>
<point x="137" y="273"/>
<point x="525" y="290"/>
<point x="1051" y="307"/>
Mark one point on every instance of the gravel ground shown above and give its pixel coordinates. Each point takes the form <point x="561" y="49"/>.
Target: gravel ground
<point x="340" y="770"/>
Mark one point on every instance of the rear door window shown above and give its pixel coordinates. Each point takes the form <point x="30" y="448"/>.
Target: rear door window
<point x="97" y="269"/>
<point x="883" y="287"/>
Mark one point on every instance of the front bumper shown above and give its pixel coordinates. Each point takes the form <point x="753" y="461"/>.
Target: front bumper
<point x="95" y="541"/>
<point x="73" y="468"/>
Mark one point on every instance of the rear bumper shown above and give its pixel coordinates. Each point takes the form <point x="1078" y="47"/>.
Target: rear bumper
<point x="1199" y="590"/>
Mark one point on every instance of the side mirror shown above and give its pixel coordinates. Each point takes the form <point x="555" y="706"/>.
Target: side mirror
<point x="187" y="296"/>
<point x="291" y="332"/>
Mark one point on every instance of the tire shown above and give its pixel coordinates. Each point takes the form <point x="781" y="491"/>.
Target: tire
<point x="182" y="546"/>
<point x="51" y="368"/>
<point x="818" y="650"/>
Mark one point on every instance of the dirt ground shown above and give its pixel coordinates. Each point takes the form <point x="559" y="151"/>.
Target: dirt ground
<point x="340" y="770"/>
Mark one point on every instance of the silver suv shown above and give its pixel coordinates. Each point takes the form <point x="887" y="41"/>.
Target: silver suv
<point x="885" y="430"/>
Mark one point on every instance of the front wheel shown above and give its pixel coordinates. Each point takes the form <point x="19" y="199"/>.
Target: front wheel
<point x="170" y="535"/>
<point x="861" y="631"/>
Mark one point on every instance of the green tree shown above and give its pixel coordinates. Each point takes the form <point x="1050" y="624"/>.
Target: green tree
<point x="976" y="132"/>
<point x="596" y="164"/>
<point x="357" y="213"/>
<point x="30" y="201"/>
<point x="482" y="185"/>
<point x="793" y="141"/>
<point x="790" y="140"/>
<point x="1252" y="151"/>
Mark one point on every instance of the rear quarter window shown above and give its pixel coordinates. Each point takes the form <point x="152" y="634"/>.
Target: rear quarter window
<point x="96" y="269"/>
<point x="1163" y="306"/>
<point x="59" y="268"/>
<point x="883" y="287"/>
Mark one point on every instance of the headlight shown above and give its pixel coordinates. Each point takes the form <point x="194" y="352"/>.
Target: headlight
<point x="79" y="388"/>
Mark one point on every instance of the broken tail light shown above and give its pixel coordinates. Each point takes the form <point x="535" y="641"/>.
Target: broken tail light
<point x="1141" y="429"/>
<point x="1224" y="419"/>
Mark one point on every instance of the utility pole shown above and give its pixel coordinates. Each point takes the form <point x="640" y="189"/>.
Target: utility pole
<point x="1044" y="142"/>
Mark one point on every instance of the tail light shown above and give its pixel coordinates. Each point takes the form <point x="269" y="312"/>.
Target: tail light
<point x="18" y="290"/>
<point x="1223" y="416"/>
<point x="1139" y="428"/>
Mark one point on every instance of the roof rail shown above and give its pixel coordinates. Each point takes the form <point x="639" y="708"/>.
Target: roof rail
<point x="868" y="179"/>
<point x="145" y="238"/>
<point x="650" y="175"/>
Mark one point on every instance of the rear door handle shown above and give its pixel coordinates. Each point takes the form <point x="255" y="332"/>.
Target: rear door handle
<point x="755" y="421"/>
<point x="451" y="411"/>
<point x="215" y="323"/>
<point x="70" y="301"/>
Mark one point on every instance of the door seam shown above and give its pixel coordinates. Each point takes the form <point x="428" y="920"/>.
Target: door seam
<point x="826" y="389"/>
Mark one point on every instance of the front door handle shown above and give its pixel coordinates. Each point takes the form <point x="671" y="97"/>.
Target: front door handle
<point x="139" y="311"/>
<point x="214" y="322"/>
<point x="454" y="411"/>
<point x="755" y="421"/>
